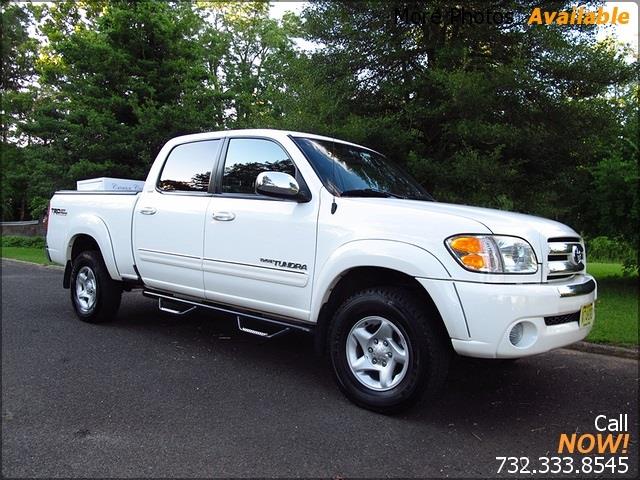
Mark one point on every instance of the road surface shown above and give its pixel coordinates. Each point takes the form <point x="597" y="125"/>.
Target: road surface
<point x="155" y="395"/>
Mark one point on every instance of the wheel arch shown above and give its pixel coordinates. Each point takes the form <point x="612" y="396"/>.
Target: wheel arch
<point x="364" y="264"/>
<point x="91" y="233"/>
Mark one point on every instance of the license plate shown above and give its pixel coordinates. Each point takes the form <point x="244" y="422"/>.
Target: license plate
<point x="587" y="315"/>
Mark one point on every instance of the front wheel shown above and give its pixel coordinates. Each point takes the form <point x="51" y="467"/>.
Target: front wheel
<point x="387" y="349"/>
<point x="94" y="294"/>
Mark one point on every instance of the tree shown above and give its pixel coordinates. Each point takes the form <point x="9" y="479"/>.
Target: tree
<point x="116" y="81"/>
<point x="18" y="56"/>
<point x="615" y="206"/>
<point x="248" y="70"/>
<point x="505" y="115"/>
<point x="541" y="119"/>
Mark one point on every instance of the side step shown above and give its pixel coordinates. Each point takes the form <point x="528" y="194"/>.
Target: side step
<point x="278" y="331"/>
<point x="269" y="327"/>
<point x="180" y="308"/>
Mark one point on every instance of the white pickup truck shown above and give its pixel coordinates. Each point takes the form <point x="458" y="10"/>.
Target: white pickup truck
<point x="290" y="230"/>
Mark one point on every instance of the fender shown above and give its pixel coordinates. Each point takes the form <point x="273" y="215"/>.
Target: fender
<point x="395" y="255"/>
<point x="94" y="226"/>
<point x="403" y="257"/>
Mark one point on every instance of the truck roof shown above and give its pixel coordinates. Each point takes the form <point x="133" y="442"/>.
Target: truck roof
<point x="266" y="132"/>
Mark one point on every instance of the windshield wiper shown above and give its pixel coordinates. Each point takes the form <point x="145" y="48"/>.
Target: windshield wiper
<point x="369" y="192"/>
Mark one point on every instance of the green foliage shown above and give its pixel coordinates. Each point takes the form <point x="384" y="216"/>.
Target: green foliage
<point x="487" y="113"/>
<point x="606" y="250"/>
<point x="18" y="54"/>
<point x="255" y="49"/>
<point x="540" y="119"/>
<point x="122" y="85"/>
<point x="613" y="250"/>
<point x="22" y="242"/>
<point x="533" y="119"/>
<point x="617" y="305"/>
<point x="615" y="180"/>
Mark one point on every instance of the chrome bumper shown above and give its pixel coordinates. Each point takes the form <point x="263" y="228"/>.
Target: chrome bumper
<point x="584" y="288"/>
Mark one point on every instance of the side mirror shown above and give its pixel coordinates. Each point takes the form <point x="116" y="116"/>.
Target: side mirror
<point x="277" y="184"/>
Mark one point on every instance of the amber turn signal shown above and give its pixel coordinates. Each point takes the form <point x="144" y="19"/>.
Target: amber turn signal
<point x="473" y="261"/>
<point x="466" y="245"/>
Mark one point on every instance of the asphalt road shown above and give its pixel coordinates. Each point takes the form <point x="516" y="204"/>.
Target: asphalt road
<point x="156" y="395"/>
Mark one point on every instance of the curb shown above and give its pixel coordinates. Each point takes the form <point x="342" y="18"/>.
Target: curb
<point x="600" y="349"/>
<point x="24" y="262"/>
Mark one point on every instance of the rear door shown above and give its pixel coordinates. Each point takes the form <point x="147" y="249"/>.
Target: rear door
<point x="259" y="251"/>
<point x="169" y="221"/>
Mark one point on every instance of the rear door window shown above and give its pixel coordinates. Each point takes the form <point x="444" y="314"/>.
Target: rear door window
<point x="188" y="167"/>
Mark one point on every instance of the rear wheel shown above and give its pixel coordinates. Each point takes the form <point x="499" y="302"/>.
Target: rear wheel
<point x="94" y="294"/>
<point x="387" y="349"/>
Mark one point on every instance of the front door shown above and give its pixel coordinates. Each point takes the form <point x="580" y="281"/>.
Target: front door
<point x="258" y="251"/>
<point x="169" y="221"/>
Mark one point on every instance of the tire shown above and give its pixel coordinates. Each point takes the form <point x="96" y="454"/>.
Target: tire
<point x="405" y="335"/>
<point x="94" y="295"/>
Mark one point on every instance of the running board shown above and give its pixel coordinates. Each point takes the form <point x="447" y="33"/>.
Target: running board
<point x="164" y="300"/>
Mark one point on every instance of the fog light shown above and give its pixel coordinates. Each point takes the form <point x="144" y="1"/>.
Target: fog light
<point x="515" y="335"/>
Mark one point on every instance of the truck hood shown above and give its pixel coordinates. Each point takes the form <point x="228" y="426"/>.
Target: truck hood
<point x="504" y="223"/>
<point x="535" y="230"/>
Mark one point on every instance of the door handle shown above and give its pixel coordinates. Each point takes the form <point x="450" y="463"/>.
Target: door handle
<point x="223" y="216"/>
<point x="148" y="210"/>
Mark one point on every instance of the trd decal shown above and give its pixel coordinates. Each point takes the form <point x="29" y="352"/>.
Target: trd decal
<point x="59" y="211"/>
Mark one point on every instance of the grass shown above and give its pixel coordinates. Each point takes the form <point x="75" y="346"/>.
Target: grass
<point x="603" y="271"/>
<point x="616" y="307"/>
<point x="27" y="254"/>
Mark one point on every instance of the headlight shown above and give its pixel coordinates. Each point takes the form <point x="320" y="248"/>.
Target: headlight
<point x="493" y="253"/>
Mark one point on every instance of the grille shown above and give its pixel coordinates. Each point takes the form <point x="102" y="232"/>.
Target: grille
<point x="560" y="319"/>
<point x="566" y="257"/>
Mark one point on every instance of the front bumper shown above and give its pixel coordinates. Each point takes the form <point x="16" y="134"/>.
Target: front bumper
<point x="491" y="310"/>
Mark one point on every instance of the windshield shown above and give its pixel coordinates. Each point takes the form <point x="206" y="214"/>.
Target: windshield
<point x="347" y="170"/>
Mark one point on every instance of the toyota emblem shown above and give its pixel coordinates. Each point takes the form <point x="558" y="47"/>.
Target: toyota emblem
<point x="577" y="254"/>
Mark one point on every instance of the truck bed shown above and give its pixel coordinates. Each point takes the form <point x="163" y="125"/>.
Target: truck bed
<point x="108" y="214"/>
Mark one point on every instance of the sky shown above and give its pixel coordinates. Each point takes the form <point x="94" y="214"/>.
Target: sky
<point x="278" y="8"/>
<point x="627" y="34"/>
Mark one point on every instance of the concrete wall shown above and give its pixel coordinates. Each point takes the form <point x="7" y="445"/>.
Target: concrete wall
<point x="33" y="228"/>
